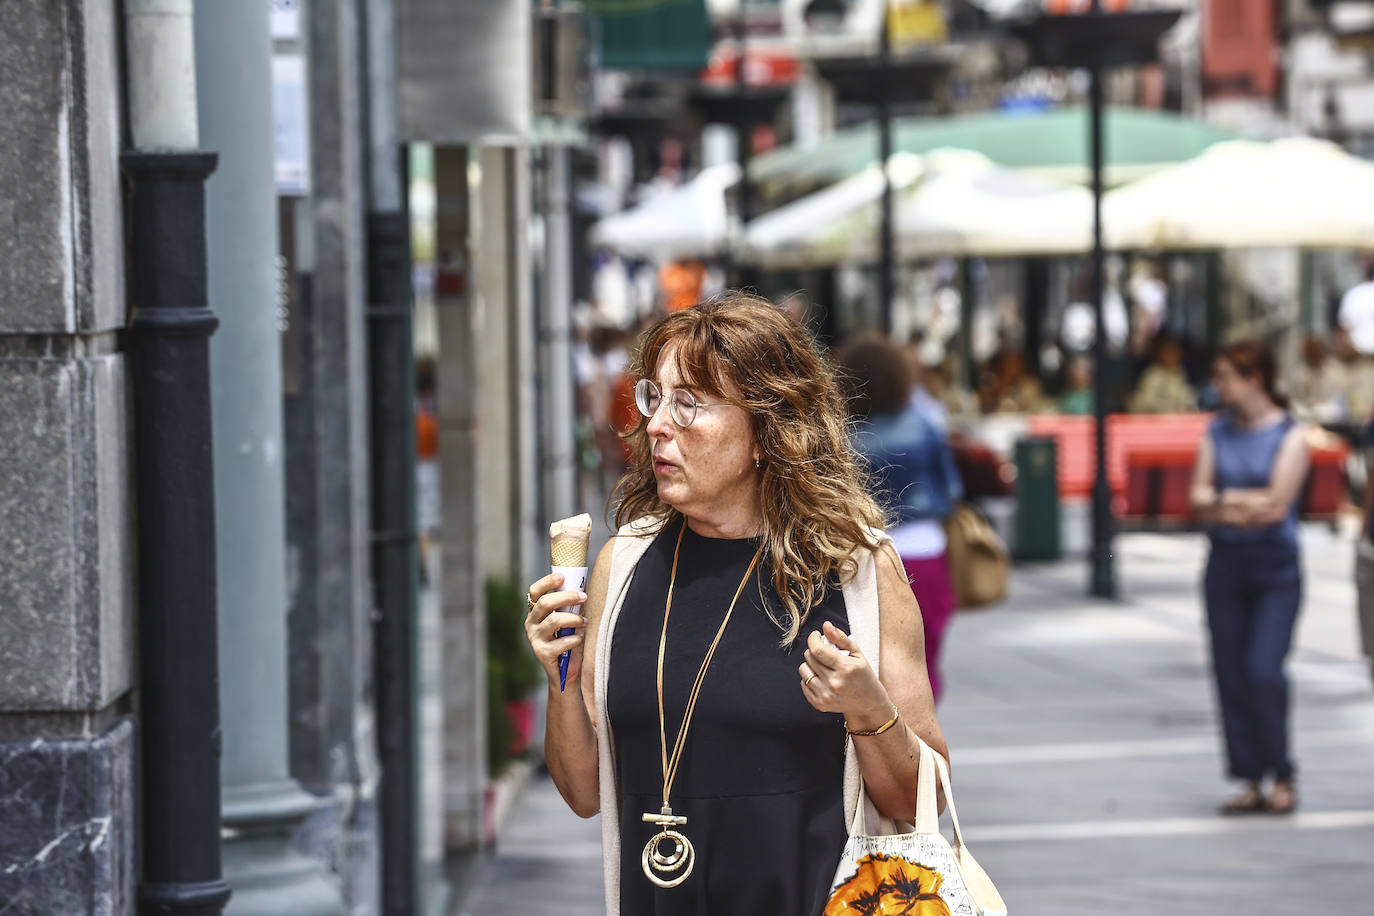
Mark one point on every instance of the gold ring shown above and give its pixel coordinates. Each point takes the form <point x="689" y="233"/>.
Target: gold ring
<point x="807" y="682"/>
<point x="529" y="601"/>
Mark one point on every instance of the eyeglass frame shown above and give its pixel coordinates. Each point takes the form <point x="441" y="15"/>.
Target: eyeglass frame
<point x="674" y="404"/>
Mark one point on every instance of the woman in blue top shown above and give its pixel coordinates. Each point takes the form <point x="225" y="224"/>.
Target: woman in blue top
<point x="915" y="478"/>
<point x="1250" y="469"/>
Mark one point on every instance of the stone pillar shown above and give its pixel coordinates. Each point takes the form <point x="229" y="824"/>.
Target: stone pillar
<point x="559" y="452"/>
<point x="263" y="804"/>
<point x="67" y="809"/>
<point x="329" y="583"/>
<point x="464" y="622"/>
<point x="489" y="272"/>
<point x="511" y="517"/>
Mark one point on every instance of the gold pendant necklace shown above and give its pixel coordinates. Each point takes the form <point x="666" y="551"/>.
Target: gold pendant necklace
<point x="672" y="869"/>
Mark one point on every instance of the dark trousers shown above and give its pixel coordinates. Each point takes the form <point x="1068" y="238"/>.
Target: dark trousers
<point x="1253" y="592"/>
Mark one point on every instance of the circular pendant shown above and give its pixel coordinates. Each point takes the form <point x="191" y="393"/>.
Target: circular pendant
<point x="656" y="864"/>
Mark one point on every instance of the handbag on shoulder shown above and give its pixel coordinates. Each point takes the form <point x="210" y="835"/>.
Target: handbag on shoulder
<point x="979" y="563"/>
<point x="917" y="873"/>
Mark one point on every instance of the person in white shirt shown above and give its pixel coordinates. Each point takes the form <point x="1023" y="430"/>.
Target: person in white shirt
<point x="1356" y="315"/>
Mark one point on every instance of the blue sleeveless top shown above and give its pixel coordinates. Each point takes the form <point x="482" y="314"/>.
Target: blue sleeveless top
<point x="1245" y="460"/>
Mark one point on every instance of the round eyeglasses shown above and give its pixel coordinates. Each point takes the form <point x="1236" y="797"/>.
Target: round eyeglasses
<point x="682" y="407"/>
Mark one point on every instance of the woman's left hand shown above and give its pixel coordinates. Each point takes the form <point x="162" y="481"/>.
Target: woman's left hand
<point x="847" y="684"/>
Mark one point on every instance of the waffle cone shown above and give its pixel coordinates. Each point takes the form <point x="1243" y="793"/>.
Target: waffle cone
<point x="568" y="540"/>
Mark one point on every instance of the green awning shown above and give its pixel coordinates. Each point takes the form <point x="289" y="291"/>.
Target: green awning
<point x="1054" y="143"/>
<point x="651" y="34"/>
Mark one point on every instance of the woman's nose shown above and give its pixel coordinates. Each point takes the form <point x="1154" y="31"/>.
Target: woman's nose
<point x="660" y="422"/>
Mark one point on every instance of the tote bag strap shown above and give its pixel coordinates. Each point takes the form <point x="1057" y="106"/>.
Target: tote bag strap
<point x="931" y="770"/>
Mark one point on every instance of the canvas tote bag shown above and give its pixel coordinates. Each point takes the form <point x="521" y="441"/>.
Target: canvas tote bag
<point x="918" y="873"/>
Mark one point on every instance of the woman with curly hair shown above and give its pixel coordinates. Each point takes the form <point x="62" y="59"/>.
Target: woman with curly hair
<point x="715" y="679"/>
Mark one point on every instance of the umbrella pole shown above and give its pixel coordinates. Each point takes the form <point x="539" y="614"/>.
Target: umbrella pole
<point x="1103" y="573"/>
<point x="887" y="257"/>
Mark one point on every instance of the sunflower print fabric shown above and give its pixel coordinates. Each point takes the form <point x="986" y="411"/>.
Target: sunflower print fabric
<point x="885" y="885"/>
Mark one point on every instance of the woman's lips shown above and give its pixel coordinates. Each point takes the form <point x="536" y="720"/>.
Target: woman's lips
<point x="663" y="467"/>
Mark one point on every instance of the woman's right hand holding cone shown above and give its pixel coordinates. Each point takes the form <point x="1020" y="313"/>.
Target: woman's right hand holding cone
<point x="550" y="611"/>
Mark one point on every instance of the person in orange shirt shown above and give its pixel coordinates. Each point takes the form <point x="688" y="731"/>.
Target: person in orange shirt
<point x="681" y="282"/>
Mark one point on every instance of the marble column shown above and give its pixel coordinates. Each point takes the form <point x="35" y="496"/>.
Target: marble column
<point x="263" y="805"/>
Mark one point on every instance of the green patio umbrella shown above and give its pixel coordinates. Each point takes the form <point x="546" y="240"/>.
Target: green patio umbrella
<point x="1137" y="141"/>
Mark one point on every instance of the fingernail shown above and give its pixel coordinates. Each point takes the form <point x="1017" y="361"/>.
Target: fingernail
<point x="582" y="595"/>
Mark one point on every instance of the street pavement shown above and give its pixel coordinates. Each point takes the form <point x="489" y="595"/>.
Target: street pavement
<point x="1087" y="762"/>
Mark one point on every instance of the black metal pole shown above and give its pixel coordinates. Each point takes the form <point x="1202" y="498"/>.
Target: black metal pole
<point x="394" y="557"/>
<point x="1103" y="577"/>
<point x="745" y="276"/>
<point x="886" y="258"/>
<point x="178" y="627"/>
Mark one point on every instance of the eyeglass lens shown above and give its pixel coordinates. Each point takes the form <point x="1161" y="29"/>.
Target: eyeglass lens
<point x="648" y="397"/>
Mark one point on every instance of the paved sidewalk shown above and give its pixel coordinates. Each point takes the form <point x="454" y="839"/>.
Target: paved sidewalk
<point x="1087" y="760"/>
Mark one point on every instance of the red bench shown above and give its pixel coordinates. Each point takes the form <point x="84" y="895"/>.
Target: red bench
<point x="1150" y="460"/>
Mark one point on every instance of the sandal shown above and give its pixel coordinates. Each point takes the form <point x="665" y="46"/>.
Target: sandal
<point x="1283" y="799"/>
<point x="1250" y="801"/>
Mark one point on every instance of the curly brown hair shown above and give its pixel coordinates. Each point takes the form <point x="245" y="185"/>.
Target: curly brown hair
<point x="817" y="511"/>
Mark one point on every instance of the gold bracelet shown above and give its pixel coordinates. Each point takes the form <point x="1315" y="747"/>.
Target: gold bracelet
<point x="869" y="732"/>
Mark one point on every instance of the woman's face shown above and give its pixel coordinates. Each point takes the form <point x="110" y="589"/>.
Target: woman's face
<point x="706" y="470"/>
<point x="1232" y="387"/>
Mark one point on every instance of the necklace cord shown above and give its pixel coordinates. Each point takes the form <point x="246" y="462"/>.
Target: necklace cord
<point x="670" y="765"/>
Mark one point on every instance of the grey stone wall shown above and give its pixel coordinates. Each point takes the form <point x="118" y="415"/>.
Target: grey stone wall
<point x="65" y="624"/>
<point x="59" y="168"/>
<point x="67" y="809"/>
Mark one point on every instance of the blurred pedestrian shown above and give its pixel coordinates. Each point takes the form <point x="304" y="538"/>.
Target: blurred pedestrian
<point x="1007" y="386"/>
<point x="604" y="389"/>
<point x="1246" y="486"/>
<point x="1078" y="398"/>
<point x="1163" y="387"/>
<point x="1320" y="384"/>
<point x="1149" y="307"/>
<point x="923" y="380"/>
<point x="719" y="667"/>
<point x="1364" y="552"/>
<point x="1356" y="315"/>
<point x="916" y="480"/>
<point x="1355" y="319"/>
<point x="427" y="495"/>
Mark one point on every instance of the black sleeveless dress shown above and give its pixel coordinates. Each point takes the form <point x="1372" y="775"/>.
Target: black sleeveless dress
<point x="761" y="776"/>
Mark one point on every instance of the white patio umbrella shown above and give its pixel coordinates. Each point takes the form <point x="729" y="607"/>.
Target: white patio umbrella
<point x="960" y="203"/>
<point x="840" y="223"/>
<point x="996" y="213"/>
<point x="690" y="220"/>
<point x="799" y="233"/>
<point x="1298" y="192"/>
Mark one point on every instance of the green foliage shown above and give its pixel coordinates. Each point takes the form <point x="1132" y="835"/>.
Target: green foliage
<point x="500" y="732"/>
<point x="506" y="610"/>
<point x="512" y="671"/>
